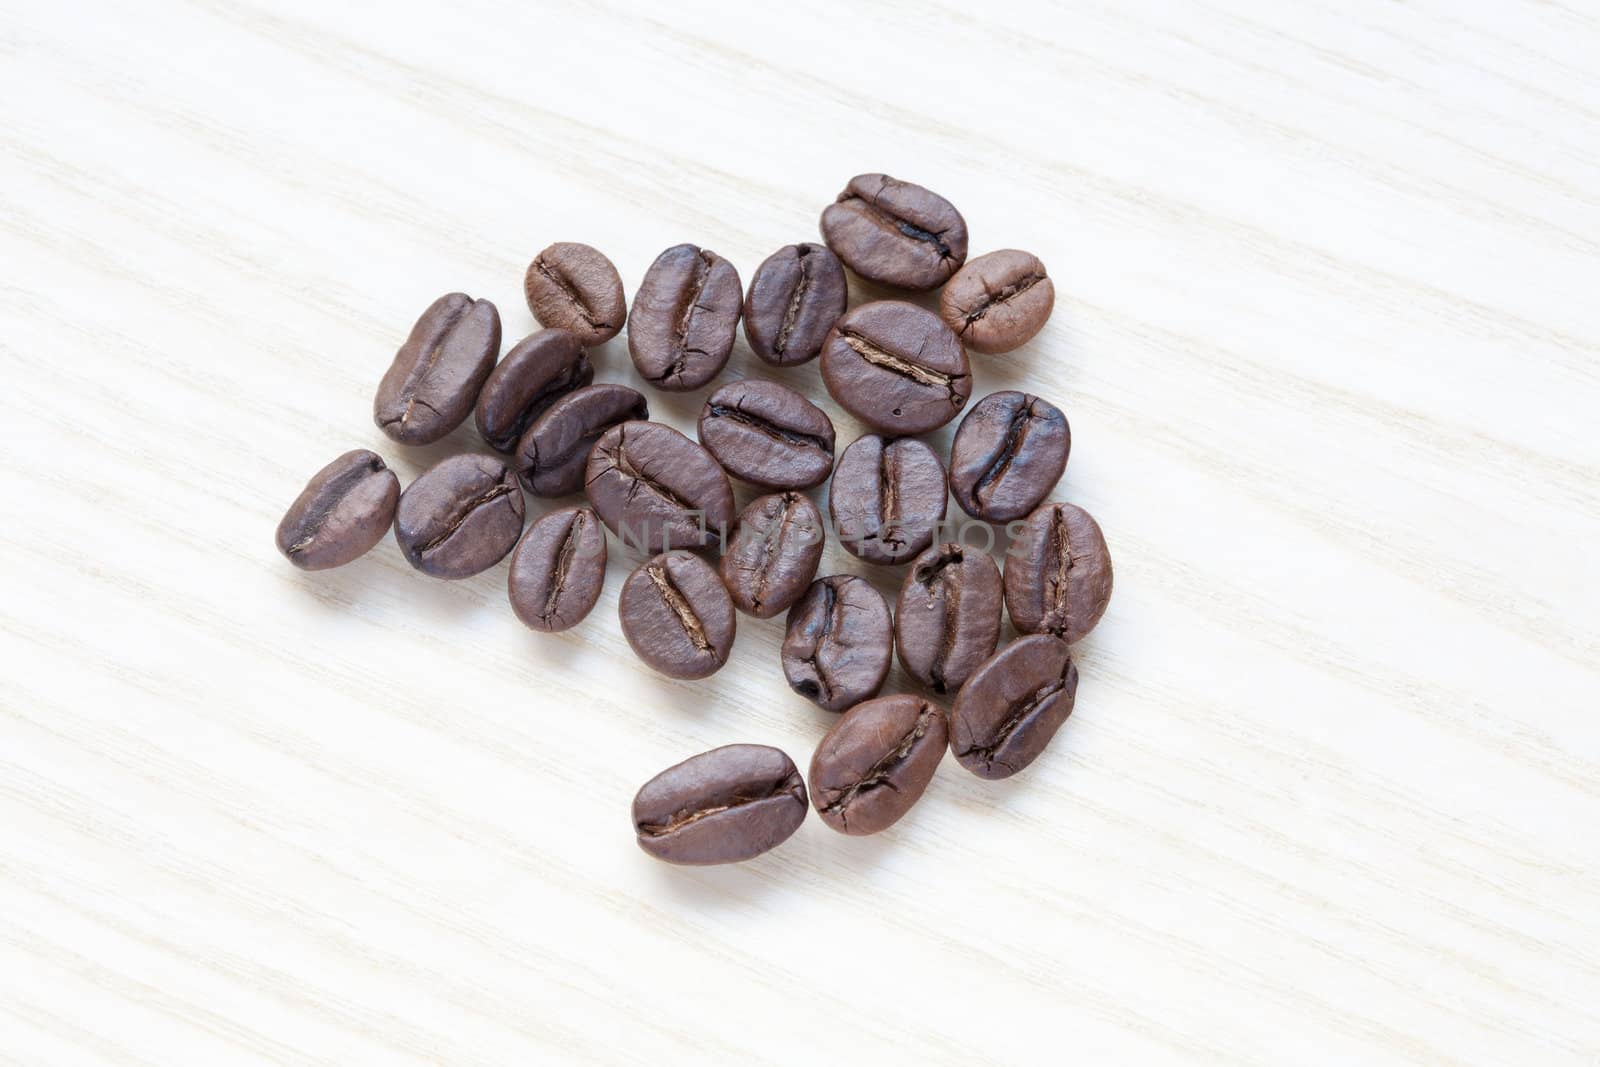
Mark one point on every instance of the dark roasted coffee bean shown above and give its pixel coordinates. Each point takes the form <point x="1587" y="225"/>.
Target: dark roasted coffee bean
<point x="887" y="498"/>
<point x="1012" y="706"/>
<point x="722" y="806"/>
<point x="677" y="615"/>
<point x="948" y="618"/>
<point x="656" y="489"/>
<point x="571" y="286"/>
<point x="999" y="301"/>
<point x="553" y="454"/>
<point x="684" y="318"/>
<point x="1058" y="573"/>
<point x="896" y="233"/>
<point x="557" y="569"/>
<point x="896" y="367"/>
<point x="461" y="516"/>
<point x="539" y="370"/>
<point x="795" y="297"/>
<point x="876" y="761"/>
<point x="435" y="377"/>
<point x="1007" y="455"/>
<point x="838" y="642"/>
<point x="768" y="435"/>
<point x="774" y="554"/>
<point x="342" y="512"/>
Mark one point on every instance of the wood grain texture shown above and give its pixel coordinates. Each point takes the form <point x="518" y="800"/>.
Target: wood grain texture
<point x="1328" y="339"/>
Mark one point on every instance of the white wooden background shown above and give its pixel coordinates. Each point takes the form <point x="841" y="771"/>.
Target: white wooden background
<point x="1327" y="335"/>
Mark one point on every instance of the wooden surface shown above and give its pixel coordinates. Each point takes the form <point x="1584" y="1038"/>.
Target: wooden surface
<point x="1327" y="336"/>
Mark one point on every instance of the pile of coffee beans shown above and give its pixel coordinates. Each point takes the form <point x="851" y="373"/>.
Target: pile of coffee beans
<point x="902" y="369"/>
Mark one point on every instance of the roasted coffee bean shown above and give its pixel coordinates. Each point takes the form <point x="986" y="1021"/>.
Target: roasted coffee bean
<point x="684" y="318"/>
<point x="797" y="294"/>
<point x="774" y="554"/>
<point x="571" y="286"/>
<point x="768" y="435"/>
<point x="342" y="512"/>
<point x="677" y="616"/>
<point x="554" y="452"/>
<point x="656" y="489"/>
<point x="896" y="367"/>
<point x="435" y="377"/>
<point x="948" y="618"/>
<point x="722" y="806"/>
<point x="1012" y="706"/>
<point x="838" y="642"/>
<point x="461" y="516"/>
<point x="1058" y="573"/>
<point x="539" y="370"/>
<point x="876" y="761"/>
<point x="557" y="569"/>
<point x="998" y="301"/>
<point x="887" y="498"/>
<point x="896" y="233"/>
<point x="1007" y="455"/>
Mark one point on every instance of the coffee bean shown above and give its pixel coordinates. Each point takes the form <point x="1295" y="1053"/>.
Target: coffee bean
<point x="795" y="297"/>
<point x="773" y="556"/>
<point x="1007" y="455"/>
<point x="677" y="615"/>
<point x="1012" y="706"/>
<point x="948" y="618"/>
<point x="435" y="377"/>
<point x="876" y="761"/>
<point x="684" y="318"/>
<point x="838" y="642"/>
<point x="722" y="806"/>
<point x="656" y="489"/>
<point x="768" y="435"/>
<point x="557" y="569"/>
<point x="554" y="452"/>
<point x="461" y="516"/>
<point x="896" y="233"/>
<point x="539" y="370"/>
<point x="887" y="498"/>
<point x="998" y="301"/>
<point x="343" y="511"/>
<point x="571" y="286"/>
<point x="896" y="367"/>
<point x="1058" y="573"/>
